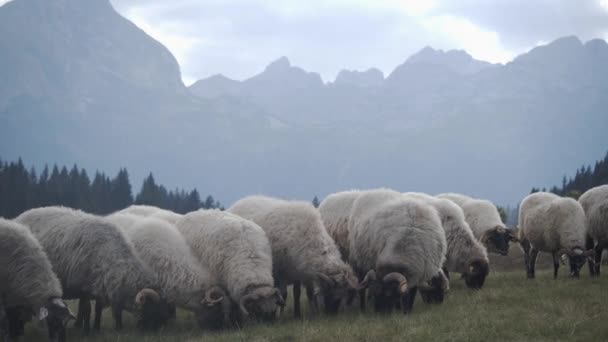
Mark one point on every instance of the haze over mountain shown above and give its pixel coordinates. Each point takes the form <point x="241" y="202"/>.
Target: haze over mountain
<point x="82" y="84"/>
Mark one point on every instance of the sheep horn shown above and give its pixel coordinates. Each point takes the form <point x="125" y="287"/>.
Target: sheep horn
<point x="145" y="294"/>
<point x="213" y="296"/>
<point x="244" y="301"/>
<point x="369" y="277"/>
<point x="500" y="229"/>
<point x="398" y="278"/>
<point x="352" y="281"/>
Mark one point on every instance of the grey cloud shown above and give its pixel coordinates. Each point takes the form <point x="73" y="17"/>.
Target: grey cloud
<point x="523" y="23"/>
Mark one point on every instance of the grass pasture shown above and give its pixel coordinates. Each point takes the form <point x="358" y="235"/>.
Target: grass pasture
<point x="509" y="307"/>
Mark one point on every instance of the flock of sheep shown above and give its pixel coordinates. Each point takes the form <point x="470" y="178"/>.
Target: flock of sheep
<point x="229" y="266"/>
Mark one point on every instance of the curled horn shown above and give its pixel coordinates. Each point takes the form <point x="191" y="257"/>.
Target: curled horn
<point x="144" y="294"/>
<point x="244" y="301"/>
<point x="213" y="296"/>
<point x="500" y="229"/>
<point x="369" y="277"/>
<point x="398" y="278"/>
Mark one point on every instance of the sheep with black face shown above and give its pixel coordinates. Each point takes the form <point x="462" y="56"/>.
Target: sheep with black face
<point x="28" y="285"/>
<point x="465" y="254"/>
<point x="237" y="253"/>
<point x="484" y="219"/>
<point x="397" y="245"/>
<point x="553" y="224"/>
<point x="95" y="261"/>
<point x="595" y="205"/>
<point x="302" y="251"/>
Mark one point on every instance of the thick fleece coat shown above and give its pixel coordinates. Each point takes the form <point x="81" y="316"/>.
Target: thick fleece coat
<point x="463" y="249"/>
<point x="92" y="258"/>
<point x="335" y="212"/>
<point x="484" y="219"/>
<point x="302" y="250"/>
<point x="595" y="204"/>
<point x="393" y="234"/>
<point x="235" y="250"/>
<point x="553" y="224"/>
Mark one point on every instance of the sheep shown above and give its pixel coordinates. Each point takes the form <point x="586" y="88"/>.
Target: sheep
<point x="140" y="210"/>
<point x="124" y="220"/>
<point x="94" y="260"/>
<point x="28" y="284"/>
<point x="151" y="211"/>
<point x="484" y="220"/>
<point x="185" y="282"/>
<point x="400" y="242"/>
<point x="553" y="224"/>
<point x="335" y="211"/>
<point x="302" y="250"/>
<point x="238" y="254"/>
<point x="465" y="254"/>
<point x="595" y="204"/>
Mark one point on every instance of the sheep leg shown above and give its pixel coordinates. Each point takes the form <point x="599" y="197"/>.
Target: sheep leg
<point x="532" y="268"/>
<point x="446" y="272"/>
<point x="98" y="311"/>
<point x="312" y="301"/>
<point x="297" y="291"/>
<point x="362" y="299"/>
<point x="283" y="290"/>
<point x="525" y="246"/>
<point x="407" y="301"/>
<point x="598" y="259"/>
<point x="590" y="244"/>
<point x="555" y="264"/>
<point x="117" y="314"/>
<point x="79" y="315"/>
<point x="84" y="311"/>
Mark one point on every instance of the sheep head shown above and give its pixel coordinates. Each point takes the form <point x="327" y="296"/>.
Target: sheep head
<point x="261" y="303"/>
<point x="435" y="289"/>
<point x="497" y="239"/>
<point x="476" y="274"/>
<point x="577" y="257"/>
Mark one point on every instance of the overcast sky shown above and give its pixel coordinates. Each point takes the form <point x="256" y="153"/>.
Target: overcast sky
<point x="238" y="38"/>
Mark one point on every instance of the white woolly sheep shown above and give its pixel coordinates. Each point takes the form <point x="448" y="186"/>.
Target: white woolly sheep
<point x="465" y="254"/>
<point x="595" y="204"/>
<point x="186" y="283"/>
<point x="28" y="284"/>
<point x="302" y="251"/>
<point x="151" y="211"/>
<point x="94" y="261"/>
<point x="238" y="254"/>
<point x="400" y="242"/>
<point x="124" y="220"/>
<point x="484" y="219"/>
<point x="553" y="224"/>
<point x="335" y="212"/>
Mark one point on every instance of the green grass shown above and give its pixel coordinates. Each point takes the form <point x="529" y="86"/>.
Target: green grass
<point x="509" y="307"/>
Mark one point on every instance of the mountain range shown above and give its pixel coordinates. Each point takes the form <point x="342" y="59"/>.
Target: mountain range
<point x="81" y="84"/>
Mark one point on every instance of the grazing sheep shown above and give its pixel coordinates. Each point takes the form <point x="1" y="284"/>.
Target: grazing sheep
<point x="140" y="210"/>
<point x="124" y="220"/>
<point x="186" y="283"/>
<point x="553" y="224"/>
<point x="238" y="254"/>
<point x="335" y="211"/>
<point x="397" y="244"/>
<point x="94" y="260"/>
<point x="595" y="205"/>
<point x="28" y="284"/>
<point x="484" y="220"/>
<point x="302" y="251"/>
<point x="465" y="254"/>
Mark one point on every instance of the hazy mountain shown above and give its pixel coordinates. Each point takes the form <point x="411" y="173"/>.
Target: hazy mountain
<point x="82" y="84"/>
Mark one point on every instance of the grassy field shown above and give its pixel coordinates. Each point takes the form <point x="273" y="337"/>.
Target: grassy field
<point x="509" y="307"/>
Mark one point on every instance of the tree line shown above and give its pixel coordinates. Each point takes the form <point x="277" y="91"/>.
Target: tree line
<point x="585" y="178"/>
<point x="22" y="189"/>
